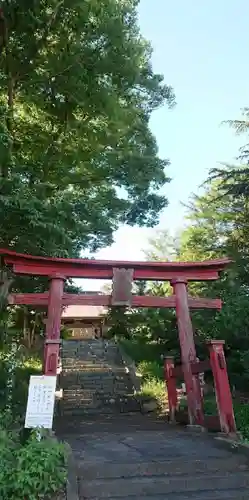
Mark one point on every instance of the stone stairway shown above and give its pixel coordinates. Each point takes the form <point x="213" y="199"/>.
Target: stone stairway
<point x="94" y="379"/>
<point x="120" y="453"/>
<point x="135" y="456"/>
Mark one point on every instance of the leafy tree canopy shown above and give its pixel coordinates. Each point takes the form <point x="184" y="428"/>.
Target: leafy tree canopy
<point x="76" y="153"/>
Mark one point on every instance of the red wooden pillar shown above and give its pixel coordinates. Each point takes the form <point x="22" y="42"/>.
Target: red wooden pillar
<point x="53" y="324"/>
<point x="222" y="387"/>
<point x="171" y="386"/>
<point x="188" y="353"/>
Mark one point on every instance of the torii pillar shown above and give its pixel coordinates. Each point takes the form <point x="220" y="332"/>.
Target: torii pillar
<point x="188" y="352"/>
<point x="53" y="325"/>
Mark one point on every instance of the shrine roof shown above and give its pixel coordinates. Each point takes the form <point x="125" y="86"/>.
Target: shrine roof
<point x="83" y="312"/>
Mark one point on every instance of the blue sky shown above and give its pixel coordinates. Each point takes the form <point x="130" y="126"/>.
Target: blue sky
<point x="201" y="48"/>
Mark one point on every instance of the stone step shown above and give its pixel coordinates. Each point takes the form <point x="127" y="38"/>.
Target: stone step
<point x="81" y="412"/>
<point x="94" y="376"/>
<point x="174" y="466"/>
<point x="96" y="389"/>
<point x="124" y="406"/>
<point x="79" y="379"/>
<point x="106" y="374"/>
<point x="78" y="407"/>
<point x="87" y="374"/>
<point x="101" y="395"/>
<point x="85" y="365"/>
<point x="88" y="362"/>
<point x="88" y="385"/>
<point x="98" y="392"/>
<point x="94" y="411"/>
<point x="90" y="350"/>
<point x="201" y="495"/>
<point x="173" y="485"/>
<point x="90" y="356"/>
<point x="80" y="383"/>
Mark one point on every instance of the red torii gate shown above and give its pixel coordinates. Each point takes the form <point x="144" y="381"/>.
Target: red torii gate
<point x="122" y="273"/>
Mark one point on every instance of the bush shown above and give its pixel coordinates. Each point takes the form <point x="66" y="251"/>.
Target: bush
<point x="31" y="469"/>
<point x="35" y="470"/>
<point x="153" y="385"/>
<point x="144" y="351"/>
<point x="150" y="369"/>
<point x="27" y="366"/>
<point x="241" y="412"/>
<point x="154" y="389"/>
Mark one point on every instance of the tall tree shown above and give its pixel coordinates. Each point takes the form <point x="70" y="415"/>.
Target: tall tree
<point x="235" y="178"/>
<point x="76" y="153"/>
<point x="163" y="246"/>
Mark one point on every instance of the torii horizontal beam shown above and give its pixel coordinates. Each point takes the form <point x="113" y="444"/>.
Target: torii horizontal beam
<point x="103" y="269"/>
<point x="41" y="299"/>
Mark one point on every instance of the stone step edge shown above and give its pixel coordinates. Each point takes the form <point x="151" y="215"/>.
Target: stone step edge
<point x="175" y="484"/>
<point x="132" y="471"/>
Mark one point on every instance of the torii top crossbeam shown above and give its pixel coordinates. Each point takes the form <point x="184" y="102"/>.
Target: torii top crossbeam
<point x="103" y="269"/>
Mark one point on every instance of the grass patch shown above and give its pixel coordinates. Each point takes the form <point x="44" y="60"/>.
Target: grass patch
<point x="154" y="389"/>
<point x="151" y="371"/>
<point x="241" y="413"/>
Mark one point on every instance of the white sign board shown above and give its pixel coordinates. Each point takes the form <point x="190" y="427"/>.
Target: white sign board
<point x="41" y="398"/>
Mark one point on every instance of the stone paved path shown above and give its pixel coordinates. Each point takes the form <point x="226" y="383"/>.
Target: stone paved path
<point x="134" y="456"/>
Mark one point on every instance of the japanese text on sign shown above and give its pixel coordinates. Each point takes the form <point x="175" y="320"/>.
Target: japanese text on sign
<point x="41" y="399"/>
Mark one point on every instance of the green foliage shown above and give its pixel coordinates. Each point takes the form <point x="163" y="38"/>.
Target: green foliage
<point x="241" y="412"/>
<point x="151" y="369"/>
<point x="148" y="359"/>
<point x="142" y="351"/>
<point x="34" y="470"/>
<point x="155" y="389"/>
<point x="154" y="327"/>
<point x="234" y="179"/>
<point x="26" y="367"/>
<point x="29" y="468"/>
<point x="65" y="333"/>
<point x="76" y="153"/>
<point x="218" y="228"/>
<point x="163" y="247"/>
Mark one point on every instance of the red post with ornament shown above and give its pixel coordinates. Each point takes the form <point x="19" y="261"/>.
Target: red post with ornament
<point x="171" y="386"/>
<point x="222" y="387"/>
<point x="188" y="352"/>
<point x="53" y="325"/>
